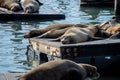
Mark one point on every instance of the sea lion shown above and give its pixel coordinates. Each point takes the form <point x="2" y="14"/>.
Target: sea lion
<point x="34" y="33"/>
<point x="54" y="33"/>
<point x="12" y="5"/>
<point x="105" y="25"/>
<point x="115" y="36"/>
<point x="77" y="34"/>
<point x="30" y="6"/>
<point x="61" y="70"/>
<point x="113" y="29"/>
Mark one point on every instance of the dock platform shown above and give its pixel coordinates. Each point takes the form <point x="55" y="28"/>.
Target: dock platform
<point x="105" y="54"/>
<point x="104" y="47"/>
<point x="45" y="13"/>
<point x="10" y="76"/>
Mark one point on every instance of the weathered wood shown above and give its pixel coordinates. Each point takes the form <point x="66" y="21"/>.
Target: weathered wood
<point x="90" y="48"/>
<point x="11" y="17"/>
<point x="10" y="76"/>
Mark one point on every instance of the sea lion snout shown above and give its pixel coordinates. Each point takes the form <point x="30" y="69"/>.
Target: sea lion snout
<point x="16" y="8"/>
<point x="66" y="40"/>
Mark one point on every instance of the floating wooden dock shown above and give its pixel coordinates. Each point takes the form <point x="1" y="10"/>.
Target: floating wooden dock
<point x="44" y="14"/>
<point x="105" y="54"/>
<point x="105" y="47"/>
<point x="13" y="17"/>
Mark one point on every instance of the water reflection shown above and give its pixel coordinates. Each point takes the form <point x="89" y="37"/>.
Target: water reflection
<point x="13" y="45"/>
<point x="97" y="13"/>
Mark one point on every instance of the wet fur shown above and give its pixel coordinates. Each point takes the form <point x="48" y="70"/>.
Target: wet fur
<point x="61" y="70"/>
<point x="110" y="29"/>
<point x="12" y="5"/>
<point x="30" y="6"/>
<point x="77" y="34"/>
<point x="113" y="29"/>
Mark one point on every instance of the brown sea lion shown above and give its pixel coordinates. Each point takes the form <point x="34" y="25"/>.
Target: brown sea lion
<point x="12" y="5"/>
<point x="61" y="70"/>
<point x="107" y="24"/>
<point x="113" y="29"/>
<point x="54" y="33"/>
<point x="34" y="33"/>
<point x="30" y="6"/>
<point x="77" y="34"/>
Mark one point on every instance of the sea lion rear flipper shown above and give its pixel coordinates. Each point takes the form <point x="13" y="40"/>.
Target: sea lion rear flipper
<point x="96" y="38"/>
<point x="47" y="34"/>
<point x="115" y="36"/>
<point x="56" y="40"/>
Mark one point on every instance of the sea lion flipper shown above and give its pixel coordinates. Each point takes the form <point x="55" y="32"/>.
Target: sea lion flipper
<point x="56" y="40"/>
<point x="115" y="36"/>
<point x="47" y="34"/>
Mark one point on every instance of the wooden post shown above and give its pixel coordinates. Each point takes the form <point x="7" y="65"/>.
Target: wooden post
<point x="117" y="9"/>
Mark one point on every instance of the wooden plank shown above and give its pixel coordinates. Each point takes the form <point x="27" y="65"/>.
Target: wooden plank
<point x="10" y="76"/>
<point x="2" y="77"/>
<point x="11" y="17"/>
<point x="45" y="46"/>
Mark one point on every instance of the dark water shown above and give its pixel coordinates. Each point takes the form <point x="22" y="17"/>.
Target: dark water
<point x="13" y="45"/>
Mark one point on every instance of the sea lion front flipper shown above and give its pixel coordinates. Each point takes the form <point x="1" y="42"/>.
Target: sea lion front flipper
<point x="115" y="36"/>
<point x="57" y="39"/>
<point x="47" y="34"/>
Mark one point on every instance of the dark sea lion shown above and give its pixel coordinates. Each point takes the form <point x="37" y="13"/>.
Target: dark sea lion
<point x="61" y="70"/>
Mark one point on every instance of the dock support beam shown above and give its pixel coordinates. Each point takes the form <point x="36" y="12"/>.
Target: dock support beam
<point x="117" y="9"/>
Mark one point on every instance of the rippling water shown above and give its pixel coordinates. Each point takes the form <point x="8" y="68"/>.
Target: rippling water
<point x="13" y="45"/>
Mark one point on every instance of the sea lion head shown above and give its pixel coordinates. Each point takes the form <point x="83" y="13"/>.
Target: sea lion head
<point x="91" y="71"/>
<point x="15" y="7"/>
<point x="66" y="39"/>
<point x="29" y="9"/>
